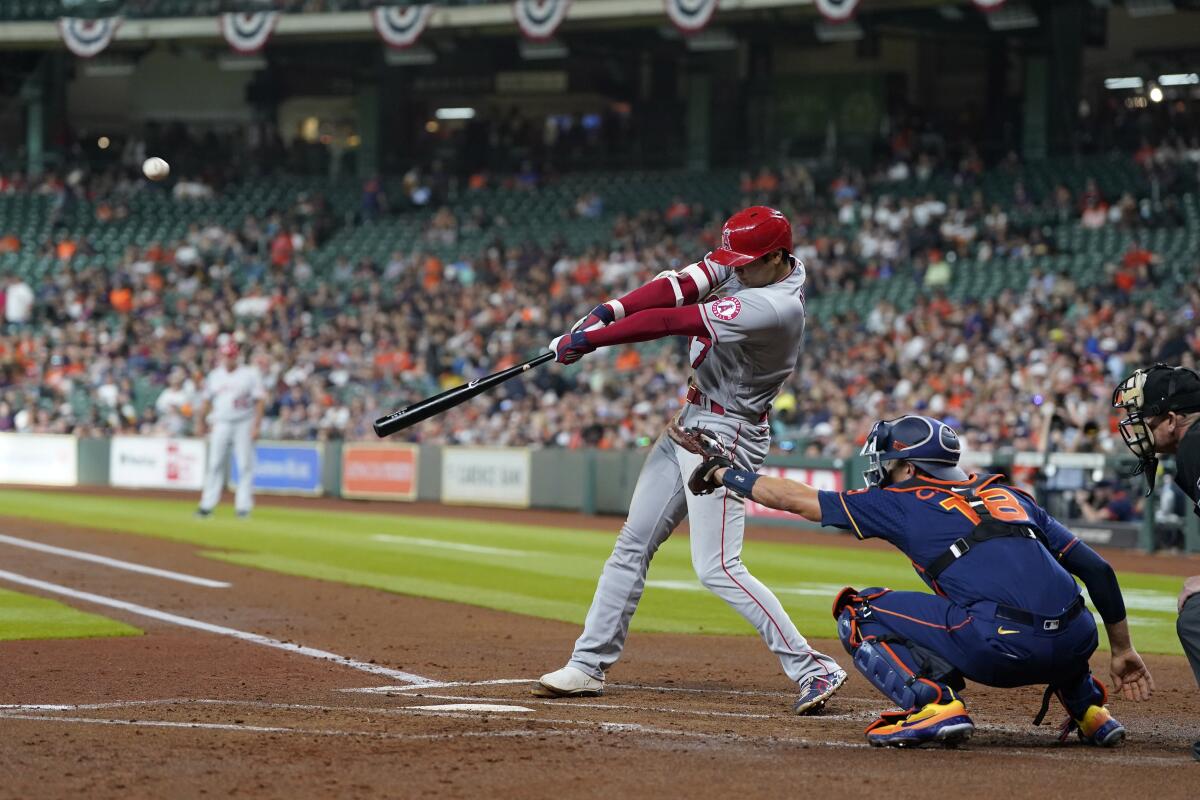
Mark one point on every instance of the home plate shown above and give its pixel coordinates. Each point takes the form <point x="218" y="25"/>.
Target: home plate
<point x="470" y="707"/>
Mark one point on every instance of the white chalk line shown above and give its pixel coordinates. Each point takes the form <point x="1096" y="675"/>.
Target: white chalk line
<point x="220" y="726"/>
<point x="580" y="728"/>
<point x="501" y="681"/>
<point x="187" y="622"/>
<point x="613" y="706"/>
<point x="128" y="566"/>
<point x="433" y="685"/>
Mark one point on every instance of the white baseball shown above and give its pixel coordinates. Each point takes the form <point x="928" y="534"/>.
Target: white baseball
<point x="156" y="169"/>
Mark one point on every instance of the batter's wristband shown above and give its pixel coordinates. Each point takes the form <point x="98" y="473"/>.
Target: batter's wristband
<point x="740" y="481"/>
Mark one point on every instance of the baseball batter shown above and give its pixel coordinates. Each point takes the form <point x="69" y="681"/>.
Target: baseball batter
<point x="743" y="306"/>
<point x="233" y="396"/>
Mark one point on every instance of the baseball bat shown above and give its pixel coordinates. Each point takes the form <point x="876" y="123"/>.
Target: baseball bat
<point x="431" y="406"/>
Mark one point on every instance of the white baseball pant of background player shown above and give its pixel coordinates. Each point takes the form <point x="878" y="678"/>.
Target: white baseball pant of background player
<point x="236" y="396"/>
<point x="236" y="439"/>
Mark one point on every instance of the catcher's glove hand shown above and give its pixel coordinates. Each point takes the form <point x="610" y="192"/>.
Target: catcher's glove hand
<point x="703" y="480"/>
<point x="705" y="444"/>
<point x="700" y="441"/>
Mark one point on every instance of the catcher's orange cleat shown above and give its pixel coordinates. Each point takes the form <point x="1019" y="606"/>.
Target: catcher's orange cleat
<point x="946" y="723"/>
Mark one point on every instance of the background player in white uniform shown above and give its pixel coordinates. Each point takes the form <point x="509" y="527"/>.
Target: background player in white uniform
<point x="746" y="341"/>
<point x="234" y="394"/>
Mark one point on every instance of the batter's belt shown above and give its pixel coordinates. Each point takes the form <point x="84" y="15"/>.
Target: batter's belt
<point x="701" y="400"/>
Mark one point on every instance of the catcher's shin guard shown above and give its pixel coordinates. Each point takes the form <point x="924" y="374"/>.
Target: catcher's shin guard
<point x="911" y="677"/>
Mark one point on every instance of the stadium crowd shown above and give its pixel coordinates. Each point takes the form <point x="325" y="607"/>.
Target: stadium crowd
<point x="97" y="348"/>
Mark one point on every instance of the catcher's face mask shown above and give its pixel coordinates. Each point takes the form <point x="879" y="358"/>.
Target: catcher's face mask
<point x="878" y="442"/>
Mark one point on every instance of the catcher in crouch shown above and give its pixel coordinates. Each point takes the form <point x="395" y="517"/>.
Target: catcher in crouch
<point x="1005" y="610"/>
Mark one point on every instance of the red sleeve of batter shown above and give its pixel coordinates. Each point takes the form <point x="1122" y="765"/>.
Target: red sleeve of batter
<point x="676" y="290"/>
<point x="651" y="324"/>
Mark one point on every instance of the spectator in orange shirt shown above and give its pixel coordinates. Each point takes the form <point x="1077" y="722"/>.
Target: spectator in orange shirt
<point x="629" y="359"/>
<point x="121" y="299"/>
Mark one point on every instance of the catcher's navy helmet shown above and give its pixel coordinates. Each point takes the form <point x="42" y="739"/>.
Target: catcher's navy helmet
<point x="927" y="443"/>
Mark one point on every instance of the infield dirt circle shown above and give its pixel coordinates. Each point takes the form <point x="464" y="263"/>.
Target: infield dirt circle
<point x="189" y="713"/>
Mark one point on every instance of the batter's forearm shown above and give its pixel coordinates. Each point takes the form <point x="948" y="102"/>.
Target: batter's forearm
<point x="652" y="324"/>
<point x="667" y="292"/>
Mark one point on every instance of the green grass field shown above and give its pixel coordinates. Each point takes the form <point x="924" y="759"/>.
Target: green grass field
<point x="25" y="617"/>
<point x="539" y="571"/>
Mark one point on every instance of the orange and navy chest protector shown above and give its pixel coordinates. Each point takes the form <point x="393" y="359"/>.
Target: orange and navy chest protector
<point x="1005" y="611"/>
<point x="971" y="541"/>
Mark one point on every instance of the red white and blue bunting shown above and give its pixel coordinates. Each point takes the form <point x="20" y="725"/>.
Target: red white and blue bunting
<point x="988" y="5"/>
<point x="88" y="37"/>
<point x="248" y="32"/>
<point x="401" y="26"/>
<point x="837" y="10"/>
<point x="539" y="19"/>
<point x="690" y="16"/>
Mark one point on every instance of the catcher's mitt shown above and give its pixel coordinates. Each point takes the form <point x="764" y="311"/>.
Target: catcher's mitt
<point x="705" y="444"/>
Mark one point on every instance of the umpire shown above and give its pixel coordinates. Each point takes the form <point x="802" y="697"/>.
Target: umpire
<point x="1162" y="409"/>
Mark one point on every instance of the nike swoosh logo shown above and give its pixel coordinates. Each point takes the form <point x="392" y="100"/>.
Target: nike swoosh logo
<point x="1004" y="631"/>
<point x="473" y="383"/>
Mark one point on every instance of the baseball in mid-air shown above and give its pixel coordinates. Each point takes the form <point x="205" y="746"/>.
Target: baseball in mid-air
<point x="156" y="169"/>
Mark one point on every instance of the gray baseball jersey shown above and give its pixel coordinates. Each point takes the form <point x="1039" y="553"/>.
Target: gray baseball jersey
<point x="753" y="344"/>
<point x="754" y="339"/>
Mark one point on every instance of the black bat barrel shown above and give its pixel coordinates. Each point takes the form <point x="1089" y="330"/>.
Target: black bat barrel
<point x="432" y="406"/>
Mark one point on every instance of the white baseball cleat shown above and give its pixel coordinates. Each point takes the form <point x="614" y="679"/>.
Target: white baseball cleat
<point x="568" y="682"/>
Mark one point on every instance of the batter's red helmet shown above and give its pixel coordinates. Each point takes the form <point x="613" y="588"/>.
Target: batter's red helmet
<point x="752" y="233"/>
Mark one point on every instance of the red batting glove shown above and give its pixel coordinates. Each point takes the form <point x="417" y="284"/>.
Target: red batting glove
<point x="570" y="347"/>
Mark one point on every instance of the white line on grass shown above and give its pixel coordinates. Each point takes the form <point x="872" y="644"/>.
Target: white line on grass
<point x="113" y="562"/>
<point x="186" y="622"/>
<point x="438" y="543"/>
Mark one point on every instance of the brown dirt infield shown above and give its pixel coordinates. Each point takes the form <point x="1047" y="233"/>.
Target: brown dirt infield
<point x="185" y="713"/>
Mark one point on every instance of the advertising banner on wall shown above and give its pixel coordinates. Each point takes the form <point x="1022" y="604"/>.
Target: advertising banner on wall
<point x="149" y="462"/>
<point x="486" y="476"/>
<point x="828" y="479"/>
<point x="379" y="471"/>
<point x="285" y="468"/>
<point x="39" y="459"/>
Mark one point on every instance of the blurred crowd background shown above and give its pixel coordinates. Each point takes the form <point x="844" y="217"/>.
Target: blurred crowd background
<point x="898" y="318"/>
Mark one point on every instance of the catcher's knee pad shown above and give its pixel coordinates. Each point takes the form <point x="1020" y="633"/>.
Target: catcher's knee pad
<point x="850" y="608"/>
<point x="888" y="673"/>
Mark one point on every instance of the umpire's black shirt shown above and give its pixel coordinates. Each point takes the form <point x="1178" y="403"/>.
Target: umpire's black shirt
<point x="1187" y="465"/>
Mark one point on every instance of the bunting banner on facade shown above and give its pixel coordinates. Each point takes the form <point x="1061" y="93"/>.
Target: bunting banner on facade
<point x="401" y="26"/>
<point x="690" y="16"/>
<point x="248" y="32"/>
<point x="988" y="5"/>
<point x="837" y="10"/>
<point x="88" y="37"/>
<point x="539" y="19"/>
